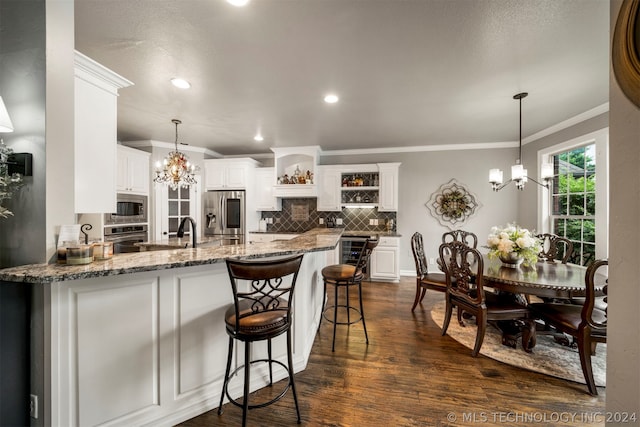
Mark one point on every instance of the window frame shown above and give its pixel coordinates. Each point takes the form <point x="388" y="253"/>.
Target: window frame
<point x="600" y="139"/>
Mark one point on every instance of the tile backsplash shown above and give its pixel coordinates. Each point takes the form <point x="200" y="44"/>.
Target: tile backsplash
<point x="300" y="215"/>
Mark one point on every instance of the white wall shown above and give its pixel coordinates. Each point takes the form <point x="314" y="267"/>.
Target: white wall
<point x="60" y="120"/>
<point x="623" y="347"/>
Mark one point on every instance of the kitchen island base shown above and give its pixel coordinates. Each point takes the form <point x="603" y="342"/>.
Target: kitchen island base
<point x="150" y="348"/>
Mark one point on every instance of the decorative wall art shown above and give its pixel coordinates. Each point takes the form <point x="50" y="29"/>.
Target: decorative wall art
<point x="300" y="212"/>
<point x="625" y="50"/>
<point x="452" y="204"/>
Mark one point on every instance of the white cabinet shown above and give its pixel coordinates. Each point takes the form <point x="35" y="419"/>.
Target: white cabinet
<point x="95" y="106"/>
<point x="329" y="180"/>
<point x="357" y="186"/>
<point x="133" y="171"/>
<point x="385" y="260"/>
<point x="172" y="358"/>
<point x="231" y="174"/>
<point x="388" y="192"/>
<point x="263" y="185"/>
<point x="291" y="160"/>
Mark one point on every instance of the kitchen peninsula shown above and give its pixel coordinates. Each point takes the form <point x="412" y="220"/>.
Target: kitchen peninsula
<point x="140" y="340"/>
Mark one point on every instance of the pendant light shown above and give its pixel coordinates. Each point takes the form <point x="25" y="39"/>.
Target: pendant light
<point x="176" y="170"/>
<point x="5" y="120"/>
<point x="518" y="172"/>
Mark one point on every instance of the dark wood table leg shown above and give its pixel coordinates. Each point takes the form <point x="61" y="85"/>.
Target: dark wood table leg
<point x="514" y="330"/>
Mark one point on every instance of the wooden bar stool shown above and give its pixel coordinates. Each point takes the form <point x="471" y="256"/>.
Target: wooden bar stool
<point x="346" y="276"/>
<point x="261" y="310"/>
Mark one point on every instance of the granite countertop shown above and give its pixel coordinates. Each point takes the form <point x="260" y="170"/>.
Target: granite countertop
<point x="366" y="233"/>
<point x="318" y="239"/>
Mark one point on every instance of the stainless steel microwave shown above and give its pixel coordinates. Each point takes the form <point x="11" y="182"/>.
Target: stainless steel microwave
<point x="130" y="209"/>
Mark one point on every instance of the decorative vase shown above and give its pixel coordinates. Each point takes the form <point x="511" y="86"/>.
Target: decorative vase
<point x="511" y="260"/>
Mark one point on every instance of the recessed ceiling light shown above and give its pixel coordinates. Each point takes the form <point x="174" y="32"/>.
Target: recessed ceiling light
<point x="331" y="98"/>
<point x="258" y="138"/>
<point x="180" y="83"/>
<point x="238" y="3"/>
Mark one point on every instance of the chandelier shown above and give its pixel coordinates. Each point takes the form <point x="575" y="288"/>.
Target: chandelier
<point x="176" y="170"/>
<point x="518" y="172"/>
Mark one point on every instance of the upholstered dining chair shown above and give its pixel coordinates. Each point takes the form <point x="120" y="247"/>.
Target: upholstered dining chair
<point x="586" y="323"/>
<point x="461" y="264"/>
<point x="555" y="248"/>
<point x="466" y="237"/>
<point x="424" y="279"/>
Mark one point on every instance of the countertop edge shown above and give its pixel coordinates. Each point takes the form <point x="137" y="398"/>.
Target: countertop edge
<point x="344" y="232"/>
<point x="319" y="239"/>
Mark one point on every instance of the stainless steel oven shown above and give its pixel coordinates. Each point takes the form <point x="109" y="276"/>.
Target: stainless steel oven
<point x="130" y="209"/>
<point x="124" y="237"/>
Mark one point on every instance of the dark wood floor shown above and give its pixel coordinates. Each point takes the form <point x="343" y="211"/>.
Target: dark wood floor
<point x="409" y="375"/>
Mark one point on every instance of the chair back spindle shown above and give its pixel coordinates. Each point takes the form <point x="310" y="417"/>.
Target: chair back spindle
<point x="463" y="266"/>
<point x="555" y="248"/>
<point x="466" y="237"/>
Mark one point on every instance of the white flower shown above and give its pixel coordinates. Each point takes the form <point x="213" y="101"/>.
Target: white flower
<point x="503" y="241"/>
<point x="505" y="245"/>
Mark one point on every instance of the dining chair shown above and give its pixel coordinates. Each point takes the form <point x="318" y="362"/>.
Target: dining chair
<point x="466" y="237"/>
<point x="586" y="323"/>
<point x="261" y="310"/>
<point x="555" y="248"/>
<point x="424" y="279"/>
<point x="461" y="265"/>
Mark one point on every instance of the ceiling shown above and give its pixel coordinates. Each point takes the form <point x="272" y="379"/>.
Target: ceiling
<point x="408" y="72"/>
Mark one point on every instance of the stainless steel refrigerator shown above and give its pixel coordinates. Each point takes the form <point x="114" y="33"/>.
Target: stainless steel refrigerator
<point x="224" y="215"/>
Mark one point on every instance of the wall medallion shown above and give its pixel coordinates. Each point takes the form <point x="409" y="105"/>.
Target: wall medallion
<point x="452" y="204"/>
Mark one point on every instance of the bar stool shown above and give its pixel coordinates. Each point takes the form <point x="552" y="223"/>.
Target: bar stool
<point x="346" y="276"/>
<point x="261" y="310"/>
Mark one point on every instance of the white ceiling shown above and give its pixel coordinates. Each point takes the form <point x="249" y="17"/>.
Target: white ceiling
<point x="408" y="72"/>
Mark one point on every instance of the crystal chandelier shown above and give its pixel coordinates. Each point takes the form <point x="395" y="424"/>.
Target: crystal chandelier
<point x="518" y="172"/>
<point x="176" y="170"/>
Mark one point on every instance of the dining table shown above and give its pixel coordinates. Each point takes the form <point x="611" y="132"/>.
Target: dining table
<point x="546" y="280"/>
<point x="543" y="279"/>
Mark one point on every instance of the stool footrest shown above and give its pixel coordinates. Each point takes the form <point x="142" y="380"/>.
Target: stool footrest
<point x="331" y="307"/>
<point x="259" y="405"/>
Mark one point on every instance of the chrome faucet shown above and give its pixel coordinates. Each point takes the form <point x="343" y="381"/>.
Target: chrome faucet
<point x="180" y="232"/>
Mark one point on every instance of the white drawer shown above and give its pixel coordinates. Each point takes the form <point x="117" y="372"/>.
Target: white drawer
<point x="389" y="241"/>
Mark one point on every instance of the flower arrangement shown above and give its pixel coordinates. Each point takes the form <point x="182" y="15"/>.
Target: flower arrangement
<point x="504" y="241"/>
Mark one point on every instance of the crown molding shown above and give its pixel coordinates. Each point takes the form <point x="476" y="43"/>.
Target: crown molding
<point x="582" y="117"/>
<point x="171" y="146"/>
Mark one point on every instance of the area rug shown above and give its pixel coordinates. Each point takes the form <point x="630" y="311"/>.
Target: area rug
<point x="548" y="357"/>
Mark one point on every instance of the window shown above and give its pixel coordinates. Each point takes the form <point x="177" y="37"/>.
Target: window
<point x="573" y="201"/>
<point x="577" y="204"/>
